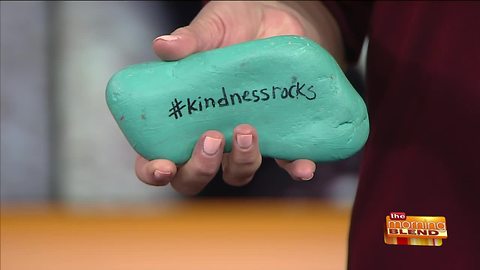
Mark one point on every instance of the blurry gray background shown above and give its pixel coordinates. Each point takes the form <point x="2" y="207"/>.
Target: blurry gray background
<point x="58" y="139"/>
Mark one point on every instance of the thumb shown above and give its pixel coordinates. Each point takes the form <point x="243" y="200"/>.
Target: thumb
<point x="206" y="32"/>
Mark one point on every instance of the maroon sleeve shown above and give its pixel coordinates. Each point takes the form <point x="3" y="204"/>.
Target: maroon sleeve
<point x="353" y="18"/>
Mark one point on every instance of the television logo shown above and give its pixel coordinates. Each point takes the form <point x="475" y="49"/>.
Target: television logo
<point x="401" y="229"/>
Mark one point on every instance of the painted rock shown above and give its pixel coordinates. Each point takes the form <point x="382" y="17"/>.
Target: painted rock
<point x="288" y="87"/>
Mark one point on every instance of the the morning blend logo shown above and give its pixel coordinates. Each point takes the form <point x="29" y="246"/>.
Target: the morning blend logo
<point x="401" y="229"/>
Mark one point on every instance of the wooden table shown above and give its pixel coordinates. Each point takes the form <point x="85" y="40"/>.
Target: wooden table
<point x="197" y="234"/>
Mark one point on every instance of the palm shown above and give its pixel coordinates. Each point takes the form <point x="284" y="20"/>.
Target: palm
<point x="245" y="25"/>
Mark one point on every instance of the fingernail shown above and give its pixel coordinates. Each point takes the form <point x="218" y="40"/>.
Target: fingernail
<point x="244" y="141"/>
<point x="307" y="177"/>
<point x="167" y="38"/>
<point x="158" y="174"/>
<point x="211" y="145"/>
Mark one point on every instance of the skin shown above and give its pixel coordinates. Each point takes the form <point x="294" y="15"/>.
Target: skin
<point x="221" y="24"/>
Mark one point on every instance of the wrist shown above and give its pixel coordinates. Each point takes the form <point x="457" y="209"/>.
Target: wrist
<point x="318" y="25"/>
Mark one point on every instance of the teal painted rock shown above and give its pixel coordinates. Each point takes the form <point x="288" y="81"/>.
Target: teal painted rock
<point x="288" y="87"/>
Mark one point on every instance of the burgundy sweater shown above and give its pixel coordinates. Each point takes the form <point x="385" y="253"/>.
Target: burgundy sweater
<point x="423" y="153"/>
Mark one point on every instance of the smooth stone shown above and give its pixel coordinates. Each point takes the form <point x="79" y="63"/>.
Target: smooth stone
<point x="288" y="87"/>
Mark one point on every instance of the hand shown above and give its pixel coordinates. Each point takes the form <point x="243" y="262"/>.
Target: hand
<point x="217" y="25"/>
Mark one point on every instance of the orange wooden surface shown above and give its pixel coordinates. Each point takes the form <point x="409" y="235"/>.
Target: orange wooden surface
<point x="206" y="234"/>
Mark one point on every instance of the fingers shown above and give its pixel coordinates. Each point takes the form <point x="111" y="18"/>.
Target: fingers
<point x="156" y="172"/>
<point x="205" y="32"/>
<point x="190" y="178"/>
<point x="240" y="165"/>
<point x="301" y="169"/>
<point x="206" y="158"/>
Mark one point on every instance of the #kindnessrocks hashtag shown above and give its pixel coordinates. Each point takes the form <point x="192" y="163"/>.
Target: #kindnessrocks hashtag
<point x="189" y="106"/>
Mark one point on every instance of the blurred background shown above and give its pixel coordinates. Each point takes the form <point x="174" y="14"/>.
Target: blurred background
<point x="59" y="143"/>
<point x="58" y="139"/>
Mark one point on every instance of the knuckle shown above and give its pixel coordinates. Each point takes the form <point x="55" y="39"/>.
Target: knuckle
<point x="247" y="160"/>
<point x="190" y="189"/>
<point x="241" y="170"/>
<point x="238" y="175"/>
<point x="205" y="171"/>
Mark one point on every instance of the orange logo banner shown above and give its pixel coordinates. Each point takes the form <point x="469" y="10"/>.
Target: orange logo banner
<point x="401" y="229"/>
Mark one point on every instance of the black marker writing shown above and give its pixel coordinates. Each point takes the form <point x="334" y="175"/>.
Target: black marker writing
<point x="195" y="105"/>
